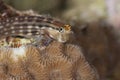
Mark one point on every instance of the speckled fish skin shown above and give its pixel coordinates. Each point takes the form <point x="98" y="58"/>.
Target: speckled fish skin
<point x="27" y="25"/>
<point x="30" y="26"/>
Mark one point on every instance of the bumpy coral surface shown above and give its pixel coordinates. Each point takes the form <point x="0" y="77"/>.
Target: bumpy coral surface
<point x="57" y="61"/>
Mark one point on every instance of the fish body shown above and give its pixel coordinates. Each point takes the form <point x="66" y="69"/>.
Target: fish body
<point x="34" y="26"/>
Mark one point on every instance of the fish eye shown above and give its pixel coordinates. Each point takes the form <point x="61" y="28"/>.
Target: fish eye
<point x="60" y="29"/>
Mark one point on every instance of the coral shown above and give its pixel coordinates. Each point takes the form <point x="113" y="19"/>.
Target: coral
<point x="59" y="69"/>
<point x="22" y="67"/>
<point x="51" y="52"/>
<point x="84" y="71"/>
<point x="34" y="67"/>
<point x="72" y="52"/>
<point x="57" y="61"/>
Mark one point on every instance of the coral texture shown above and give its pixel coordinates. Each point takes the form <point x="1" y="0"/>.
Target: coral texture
<point x="57" y="61"/>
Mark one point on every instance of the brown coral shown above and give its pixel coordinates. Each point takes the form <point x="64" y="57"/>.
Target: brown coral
<point x="59" y="69"/>
<point x="23" y="67"/>
<point x="57" y="61"/>
<point x="51" y="52"/>
<point x="34" y="67"/>
<point x="84" y="71"/>
<point x="73" y="52"/>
